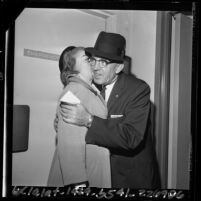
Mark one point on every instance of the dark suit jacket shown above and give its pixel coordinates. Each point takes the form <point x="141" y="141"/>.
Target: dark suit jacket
<point x="133" y="163"/>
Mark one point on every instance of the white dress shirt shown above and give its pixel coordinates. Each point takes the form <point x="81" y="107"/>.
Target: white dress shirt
<point x="108" y="91"/>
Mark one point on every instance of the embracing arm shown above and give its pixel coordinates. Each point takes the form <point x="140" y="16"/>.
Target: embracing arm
<point x="124" y="133"/>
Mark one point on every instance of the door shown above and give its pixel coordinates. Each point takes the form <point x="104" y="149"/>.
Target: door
<point x="180" y="103"/>
<point x="40" y="37"/>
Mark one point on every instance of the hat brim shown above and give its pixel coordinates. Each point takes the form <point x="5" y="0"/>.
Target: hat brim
<point x="97" y="53"/>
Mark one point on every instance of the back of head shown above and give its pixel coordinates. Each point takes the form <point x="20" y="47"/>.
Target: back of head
<point x="62" y="57"/>
<point x="70" y="64"/>
<point x="74" y="53"/>
<point x="70" y="59"/>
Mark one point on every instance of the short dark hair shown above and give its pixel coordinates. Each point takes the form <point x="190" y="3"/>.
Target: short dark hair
<point x="61" y="58"/>
<point x="69" y="61"/>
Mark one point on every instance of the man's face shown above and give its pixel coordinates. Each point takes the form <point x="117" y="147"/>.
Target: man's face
<point x="105" y="75"/>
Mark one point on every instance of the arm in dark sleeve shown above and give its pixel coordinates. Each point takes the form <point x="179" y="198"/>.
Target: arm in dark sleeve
<point x="123" y="133"/>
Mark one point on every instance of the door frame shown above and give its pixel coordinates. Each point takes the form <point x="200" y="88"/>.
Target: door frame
<point x="162" y="95"/>
<point x="180" y="103"/>
<point x="162" y="88"/>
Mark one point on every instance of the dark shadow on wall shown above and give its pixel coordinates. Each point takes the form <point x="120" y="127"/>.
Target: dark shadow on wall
<point x="153" y="123"/>
<point x="127" y="65"/>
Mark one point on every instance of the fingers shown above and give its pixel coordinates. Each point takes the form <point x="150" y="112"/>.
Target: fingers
<point x="73" y="113"/>
<point x="69" y="120"/>
<point x="66" y="105"/>
<point x="68" y="112"/>
<point x="68" y="109"/>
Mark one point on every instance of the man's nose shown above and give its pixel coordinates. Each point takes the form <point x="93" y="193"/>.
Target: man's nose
<point x="96" y="66"/>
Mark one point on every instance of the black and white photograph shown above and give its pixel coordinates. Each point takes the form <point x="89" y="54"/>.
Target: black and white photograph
<point x="99" y="97"/>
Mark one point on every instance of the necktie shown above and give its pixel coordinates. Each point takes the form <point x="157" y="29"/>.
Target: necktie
<point x="103" y="92"/>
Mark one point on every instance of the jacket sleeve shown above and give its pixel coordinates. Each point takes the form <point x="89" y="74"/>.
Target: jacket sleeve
<point x="124" y="133"/>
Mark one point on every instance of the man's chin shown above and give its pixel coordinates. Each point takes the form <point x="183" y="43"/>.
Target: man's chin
<point x="98" y="81"/>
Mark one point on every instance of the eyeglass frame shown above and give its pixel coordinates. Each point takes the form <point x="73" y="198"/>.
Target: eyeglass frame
<point x="100" y="60"/>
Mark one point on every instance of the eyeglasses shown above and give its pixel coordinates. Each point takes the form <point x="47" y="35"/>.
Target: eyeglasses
<point x="102" y="62"/>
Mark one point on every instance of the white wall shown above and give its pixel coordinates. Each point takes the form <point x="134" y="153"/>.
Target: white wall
<point x="142" y="46"/>
<point x="139" y="29"/>
<point x="37" y="82"/>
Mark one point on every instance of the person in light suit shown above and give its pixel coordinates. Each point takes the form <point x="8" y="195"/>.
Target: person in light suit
<point x="74" y="162"/>
<point x="127" y="130"/>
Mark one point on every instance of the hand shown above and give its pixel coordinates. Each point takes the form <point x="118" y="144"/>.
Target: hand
<point x="75" y="114"/>
<point x="56" y="120"/>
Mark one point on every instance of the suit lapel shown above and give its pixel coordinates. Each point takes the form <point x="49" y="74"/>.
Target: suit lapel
<point x="116" y="92"/>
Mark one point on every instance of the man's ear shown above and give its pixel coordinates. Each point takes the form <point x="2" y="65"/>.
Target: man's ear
<point x="119" y="68"/>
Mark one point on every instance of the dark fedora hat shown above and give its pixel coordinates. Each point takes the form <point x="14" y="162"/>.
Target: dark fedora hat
<point x="109" y="46"/>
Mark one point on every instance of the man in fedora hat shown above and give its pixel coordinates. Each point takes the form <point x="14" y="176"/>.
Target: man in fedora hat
<point x="127" y="130"/>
